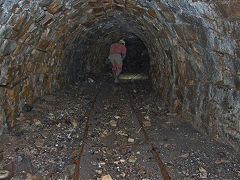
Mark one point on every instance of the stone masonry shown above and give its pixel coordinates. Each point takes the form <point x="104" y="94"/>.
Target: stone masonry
<point x="194" y="49"/>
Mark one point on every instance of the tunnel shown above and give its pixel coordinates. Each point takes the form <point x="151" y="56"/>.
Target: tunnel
<point x="189" y="50"/>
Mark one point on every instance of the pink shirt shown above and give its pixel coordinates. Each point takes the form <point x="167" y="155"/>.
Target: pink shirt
<point x="117" y="48"/>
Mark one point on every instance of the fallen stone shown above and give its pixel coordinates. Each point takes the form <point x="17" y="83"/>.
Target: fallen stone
<point x="29" y="176"/>
<point x="132" y="159"/>
<point x="99" y="172"/>
<point x="113" y="123"/>
<point x="106" y="177"/>
<point x="117" y="117"/>
<point x="102" y="163"/>
<point x="74" y="123"/>
<point x="39" y="143"/>
<point x="90" y="80"/>
<point x="237" y="171"/>
<point x="4" y="174"/>
<point x="131" y="140"/>
<point x="166" y="145"/>
<point x="184" y="155"/>
<point x="94" y="163"/>
<point x="147" y="118"/>
<point x="116" y="162"/>
<point x="37" y="122"/>
<point x="21" y="118"/>
<point x="169" y="164"/>
<point x="203" y="173"/>
<point x="123" y="174"/>
<point x="147" y="123"/>
<point x="121" y="133"/>
<point x="122" y="160"/>
<point x="109" y="152"/>
<point x="221" y="161"/>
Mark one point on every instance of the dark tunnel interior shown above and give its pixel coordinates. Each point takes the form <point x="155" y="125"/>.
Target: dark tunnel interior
<point x="137" y="59"/>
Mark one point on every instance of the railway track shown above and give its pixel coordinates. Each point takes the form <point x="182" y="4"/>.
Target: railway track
<point x="156" y="156"/>
<point x="88" y="115"/>
<point x="139" y="118"/>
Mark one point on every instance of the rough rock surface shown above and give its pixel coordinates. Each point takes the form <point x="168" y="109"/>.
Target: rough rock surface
<point x="193" y="45"/>
<point x="46" y="142"/>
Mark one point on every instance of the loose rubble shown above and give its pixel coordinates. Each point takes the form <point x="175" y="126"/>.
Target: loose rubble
<point x="46" y="140"/>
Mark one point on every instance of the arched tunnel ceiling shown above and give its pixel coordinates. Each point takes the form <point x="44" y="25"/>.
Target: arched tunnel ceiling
<point x="66" y="19"/>
<point x="193" y="45"/>
<point x="118" y="19"/>
<point x="95" y="15"/>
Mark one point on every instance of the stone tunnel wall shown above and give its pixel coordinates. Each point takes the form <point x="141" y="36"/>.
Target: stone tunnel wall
<point x="193" y="45"/>
<point x="200" y="68"/>
<point x="85" y="56"/>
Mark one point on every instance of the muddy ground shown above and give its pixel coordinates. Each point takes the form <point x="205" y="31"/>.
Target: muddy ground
<point x="46" y="141"/>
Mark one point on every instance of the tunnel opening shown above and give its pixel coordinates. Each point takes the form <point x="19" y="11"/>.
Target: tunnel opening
<point x="137" y="59"/>
<point x="88" y="54"/>
<point x="136" y="65"/>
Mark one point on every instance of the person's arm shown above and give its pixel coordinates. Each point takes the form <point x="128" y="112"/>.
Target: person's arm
<point x="123" y="52"/>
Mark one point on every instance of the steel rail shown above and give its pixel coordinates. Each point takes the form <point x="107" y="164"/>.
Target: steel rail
<point x="156" y="156"/>
<point x="88" y="115"/>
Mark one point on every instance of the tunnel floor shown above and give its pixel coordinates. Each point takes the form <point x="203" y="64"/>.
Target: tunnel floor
<point x="110" y="122"/>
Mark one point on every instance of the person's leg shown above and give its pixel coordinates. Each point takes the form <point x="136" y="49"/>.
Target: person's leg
<point x="119" y="65"/>
<point x="112" y="58"/>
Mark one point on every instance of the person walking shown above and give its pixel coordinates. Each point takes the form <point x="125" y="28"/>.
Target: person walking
<point x="116" y="56"/>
